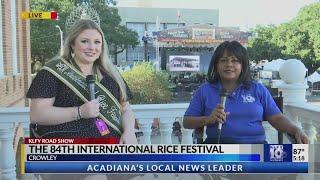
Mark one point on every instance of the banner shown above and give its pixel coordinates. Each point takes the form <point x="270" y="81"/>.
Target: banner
<point x="184" y="63"/>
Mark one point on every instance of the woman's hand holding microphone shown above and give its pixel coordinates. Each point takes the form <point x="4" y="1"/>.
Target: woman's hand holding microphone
<point x="90" y="109"/>
<point x="218" y="115"/>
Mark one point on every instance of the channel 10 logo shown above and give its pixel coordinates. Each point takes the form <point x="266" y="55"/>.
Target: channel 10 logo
<point x="276" y="153"/>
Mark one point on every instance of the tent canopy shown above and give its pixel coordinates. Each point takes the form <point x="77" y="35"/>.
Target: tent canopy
<point x="273" y="65"/>
<point x="314" y="77"/>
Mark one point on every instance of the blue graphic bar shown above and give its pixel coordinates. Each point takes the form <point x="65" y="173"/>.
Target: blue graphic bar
<point x="166" y="167"/>
<point x="145" y="157"/>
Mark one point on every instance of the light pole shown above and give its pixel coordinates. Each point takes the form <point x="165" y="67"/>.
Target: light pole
<point x="61" y="39"/>
<point x="145" y="42"/>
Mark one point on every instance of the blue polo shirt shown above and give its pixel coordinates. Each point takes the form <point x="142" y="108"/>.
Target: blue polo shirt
<point x="247" y="107"/>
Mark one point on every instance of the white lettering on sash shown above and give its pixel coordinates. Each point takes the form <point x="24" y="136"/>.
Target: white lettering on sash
<point x="111" y="111"/>
<point x="61" y="67"/>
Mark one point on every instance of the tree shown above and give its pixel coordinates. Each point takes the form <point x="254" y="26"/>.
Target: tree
<point x="294" y="43"/>
<point x="299" y="38"/>
<point x="117" y="36"/>
<point x="262" y="47"/>
<point x="305" y="34"/>
<point x="109" y="2"/>
<point x="124" y="38"/>
<point x="45" y="37"/>
<point x="147" y="85"/>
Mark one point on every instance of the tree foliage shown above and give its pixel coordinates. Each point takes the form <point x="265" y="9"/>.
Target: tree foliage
<point x="262" y="47"/>
<point x="117" y="36"/>
<point x="299" y="38"/>
<point x="147" y="85"/>
<point x="45" y="36"/>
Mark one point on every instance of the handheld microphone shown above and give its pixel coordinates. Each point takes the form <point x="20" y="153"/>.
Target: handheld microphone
<point x="101" y="125"/>
<point x="90" y="82"/>
<point x="223" y="98"/>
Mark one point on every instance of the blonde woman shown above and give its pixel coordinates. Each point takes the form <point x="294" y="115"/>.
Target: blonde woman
<point x="60" y="106"/>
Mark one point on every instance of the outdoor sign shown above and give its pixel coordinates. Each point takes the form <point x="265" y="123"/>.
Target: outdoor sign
<point x="202" y="33"/>
<point x="199" y="35"/>
<point x="184" y="63"/>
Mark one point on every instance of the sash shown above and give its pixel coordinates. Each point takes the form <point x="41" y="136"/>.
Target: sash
<point x="110" y="109"/>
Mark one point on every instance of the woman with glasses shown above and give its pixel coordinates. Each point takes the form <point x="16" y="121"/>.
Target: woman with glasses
<point x="247" y="102"/>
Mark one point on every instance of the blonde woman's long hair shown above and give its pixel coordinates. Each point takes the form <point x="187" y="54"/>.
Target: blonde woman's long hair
<point x="104" y="62"/>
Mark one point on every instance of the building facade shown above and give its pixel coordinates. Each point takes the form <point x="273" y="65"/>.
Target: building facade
<point x="15" y="55"/>
<point x="185" y="25"/>
<point x="146" y="17"/>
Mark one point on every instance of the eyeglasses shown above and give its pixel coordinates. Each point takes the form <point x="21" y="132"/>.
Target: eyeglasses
<point x="232" y="59"/>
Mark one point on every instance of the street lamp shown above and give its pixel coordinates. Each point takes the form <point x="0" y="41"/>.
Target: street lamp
<point x="61" y="39"/>
<point x="145" y="42"/>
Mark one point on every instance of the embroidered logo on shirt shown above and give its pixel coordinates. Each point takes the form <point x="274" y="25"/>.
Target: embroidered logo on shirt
<point x="248" y="98"/>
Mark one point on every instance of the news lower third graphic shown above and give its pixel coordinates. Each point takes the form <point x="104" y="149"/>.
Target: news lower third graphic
<point x="53" y="15"/>
<point x="81" y="156"/>
<point x="286" y="153"/>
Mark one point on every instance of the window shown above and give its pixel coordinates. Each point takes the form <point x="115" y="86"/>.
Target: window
<point x="151" y="27"/>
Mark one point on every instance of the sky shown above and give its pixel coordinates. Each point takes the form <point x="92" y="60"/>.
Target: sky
<point x="241" y="13"/>
<point x="249" y="13"/>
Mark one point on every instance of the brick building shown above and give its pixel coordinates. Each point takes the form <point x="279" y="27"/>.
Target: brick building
<point x="15" y="54"/>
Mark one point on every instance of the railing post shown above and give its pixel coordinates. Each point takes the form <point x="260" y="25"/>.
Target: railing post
<point x="186" y="133"/>
<point x="165" y="125"/>
<point x="145" y="126"/>
<point x="292" y="72"/>
<point x="293" y="93"/>
<point x="310" y="130"/>
<point x="26" y="129"/>
<point x="7" y="156"/>
<point x="271" y="133"/>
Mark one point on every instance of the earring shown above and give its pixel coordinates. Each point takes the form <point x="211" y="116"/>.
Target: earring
<point x="72" y="54"/>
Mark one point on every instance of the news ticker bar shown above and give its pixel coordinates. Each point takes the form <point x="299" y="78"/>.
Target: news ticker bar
<point x="221" y="152"/>
<point x="164" y="167"/>
<point x="95" y="155"/>
<point x="146" y="157"/>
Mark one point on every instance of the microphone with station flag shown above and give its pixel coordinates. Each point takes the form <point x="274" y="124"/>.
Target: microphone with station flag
<point x="223" y="98"/>
<point x="101" y="125"/>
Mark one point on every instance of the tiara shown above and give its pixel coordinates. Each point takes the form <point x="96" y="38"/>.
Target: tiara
<point x="83" y="11"/>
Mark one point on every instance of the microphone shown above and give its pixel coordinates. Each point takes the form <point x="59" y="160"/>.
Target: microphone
<point x="90" y="82"/>
<point x="223" y="98"/>
<point x="101" y="125"/>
